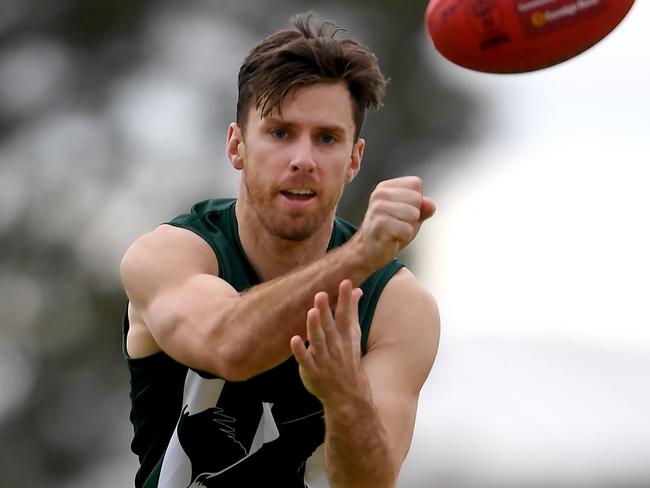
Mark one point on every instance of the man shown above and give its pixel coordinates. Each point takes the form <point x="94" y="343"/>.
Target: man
<point x="267" y="341"/>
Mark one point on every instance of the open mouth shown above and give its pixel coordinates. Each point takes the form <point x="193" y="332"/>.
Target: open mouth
<point x="298" y="194"/>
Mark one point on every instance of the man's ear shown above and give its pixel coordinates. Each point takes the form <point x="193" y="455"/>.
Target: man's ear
<point x="355" y="160"/>
<point x="235" y="146"/>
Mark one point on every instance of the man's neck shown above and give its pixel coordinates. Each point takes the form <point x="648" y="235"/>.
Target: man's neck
<point x="272" y="256"/>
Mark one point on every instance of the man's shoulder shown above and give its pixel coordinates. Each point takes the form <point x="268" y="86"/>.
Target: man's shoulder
<point x="406" y="310"/>
<point x="165" y="245"/>
<point x="211" y="220"/>
<point x="203" y="209"/>
<point x="406" y="290"/>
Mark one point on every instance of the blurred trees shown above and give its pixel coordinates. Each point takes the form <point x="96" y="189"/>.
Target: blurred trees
<point x="112" y="119"/>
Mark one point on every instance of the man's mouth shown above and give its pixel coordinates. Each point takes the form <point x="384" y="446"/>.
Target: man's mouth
<point x="298" y="193"/>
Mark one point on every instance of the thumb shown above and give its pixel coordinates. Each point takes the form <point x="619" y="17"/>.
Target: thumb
<point x="427" y="209"/>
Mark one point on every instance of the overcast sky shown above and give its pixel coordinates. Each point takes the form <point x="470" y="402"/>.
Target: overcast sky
<point x="539" y="259"/>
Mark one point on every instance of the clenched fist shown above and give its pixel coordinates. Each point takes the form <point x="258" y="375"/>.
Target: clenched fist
<point x="395" y="213"/>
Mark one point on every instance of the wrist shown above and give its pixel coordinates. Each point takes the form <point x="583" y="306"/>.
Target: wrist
<point x="359" y="259"/>
<point x="354" y="400"/>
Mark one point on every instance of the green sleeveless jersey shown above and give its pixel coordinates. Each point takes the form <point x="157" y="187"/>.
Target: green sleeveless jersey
<point x="192" y="429"/>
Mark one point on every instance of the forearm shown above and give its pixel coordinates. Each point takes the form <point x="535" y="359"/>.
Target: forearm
<point x="357" y="453"/>
<point x="262" y="320"/>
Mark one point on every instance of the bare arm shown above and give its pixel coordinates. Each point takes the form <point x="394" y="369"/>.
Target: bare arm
<point x="370" y="402"/>
<point x="201" y="321"/>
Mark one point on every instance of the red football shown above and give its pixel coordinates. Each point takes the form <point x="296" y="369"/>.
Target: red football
<point x="514" y="36"/>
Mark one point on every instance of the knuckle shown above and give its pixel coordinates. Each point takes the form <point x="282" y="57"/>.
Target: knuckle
<point x="378" y="205"/>
<point x="382" y="221"/>
<point x="415" y="182"/>
<point x="414" y="197"/>
<point x="382" y="184"/>
<point x="380" y="193"/>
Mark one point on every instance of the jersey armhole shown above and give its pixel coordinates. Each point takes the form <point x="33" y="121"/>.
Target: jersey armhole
<point x="372" y="289"/>
<point x="192" y="226"/>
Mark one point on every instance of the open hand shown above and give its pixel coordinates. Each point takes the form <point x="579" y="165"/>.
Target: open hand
<point x="330" y="366"/>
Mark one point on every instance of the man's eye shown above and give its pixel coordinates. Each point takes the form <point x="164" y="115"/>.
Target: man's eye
<point x="279" y="133"/>
<point x="327" y="139"/>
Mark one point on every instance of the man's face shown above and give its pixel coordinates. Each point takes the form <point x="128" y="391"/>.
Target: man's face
<point x="295" y="164"/>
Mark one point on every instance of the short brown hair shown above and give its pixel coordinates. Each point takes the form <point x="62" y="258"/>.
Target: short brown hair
<point x="312" y="53"/>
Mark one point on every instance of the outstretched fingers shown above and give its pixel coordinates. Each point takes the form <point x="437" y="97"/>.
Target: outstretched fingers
<point x="327" y="333"/>
<point x="320" y="329"/>
<point x="344" y="302"/>
<point x="347" y="307"/>
<point x="300" y="352"/>
<point x="306" y="356"/>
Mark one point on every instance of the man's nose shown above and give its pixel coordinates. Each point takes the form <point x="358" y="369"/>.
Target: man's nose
<point x="303" y="157"/>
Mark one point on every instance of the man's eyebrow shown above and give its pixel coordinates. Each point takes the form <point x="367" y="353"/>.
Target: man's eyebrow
<point x="273" y="120"/>
<point x="332" y="128"/>
<point x="286" y="123"/>
<point x="276" y="121"/>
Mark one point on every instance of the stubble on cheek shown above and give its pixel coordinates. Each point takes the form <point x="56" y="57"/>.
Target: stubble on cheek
<point x="289" y="226"/>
